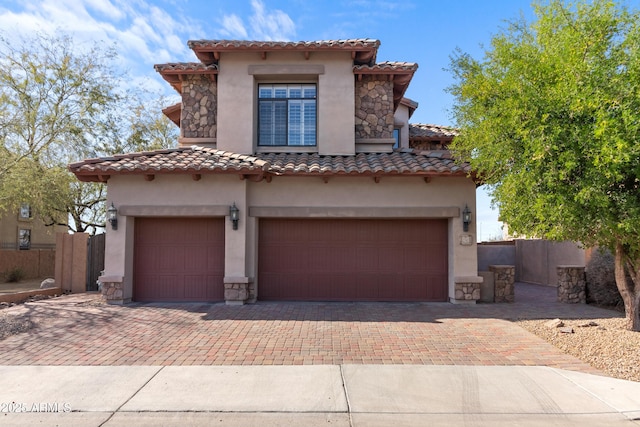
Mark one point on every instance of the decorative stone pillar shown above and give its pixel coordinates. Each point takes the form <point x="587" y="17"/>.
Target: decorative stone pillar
<point x="504" y="277"/>
<point x="237" y="290"/>
<point x="467" y="290"/>
<point x="374" y="108"/>
<point x="199" y="107"/>
<point x="112" y="289"/>
<point x="571" y="284"/>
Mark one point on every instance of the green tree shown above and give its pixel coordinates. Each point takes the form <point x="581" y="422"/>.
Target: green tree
<point x="61" y="102"/>
<point x="549" y="118"/>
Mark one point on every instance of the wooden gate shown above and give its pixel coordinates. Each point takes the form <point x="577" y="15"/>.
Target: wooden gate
<point x="95" y="260"/>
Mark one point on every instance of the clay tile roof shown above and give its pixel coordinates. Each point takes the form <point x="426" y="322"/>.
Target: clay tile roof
<point x="185" y="68"/>
<point x="185" y="160"/>
<point x="399" y="162"/>
<point x="173" y="71"/>
<point x="365" y="50"/>
<point x="200" y="160"/>
<point x="425" y="131"/>
<point x="386" y="67"/>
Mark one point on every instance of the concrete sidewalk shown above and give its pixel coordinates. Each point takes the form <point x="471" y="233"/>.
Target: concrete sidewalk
<point x="339" y="395"/>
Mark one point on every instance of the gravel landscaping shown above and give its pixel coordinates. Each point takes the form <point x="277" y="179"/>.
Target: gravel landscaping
<point x="605" y="344"/>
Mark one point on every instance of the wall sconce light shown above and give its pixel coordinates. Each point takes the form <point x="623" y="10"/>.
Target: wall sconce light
<point x="466" y="218"/>
<point x="112" y="216"/>
<point x="234" y="214"/>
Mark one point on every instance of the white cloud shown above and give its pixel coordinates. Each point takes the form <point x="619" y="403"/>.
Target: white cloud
<point x="263" y="24"/>
<point x="274" y="25"/>
<point x="233" y="27"/>
<point x="106" y="8"/>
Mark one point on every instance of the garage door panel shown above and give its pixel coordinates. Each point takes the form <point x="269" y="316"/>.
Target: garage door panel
<point x="179" y="259"/>
<point x="331" y="258"/>
<point x="350" y="259"/>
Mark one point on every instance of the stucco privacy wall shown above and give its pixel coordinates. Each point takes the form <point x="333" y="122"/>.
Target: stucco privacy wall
<point x="177" y="195"/>
<point x="537" y="260"/>
<point x="237" y="91"/>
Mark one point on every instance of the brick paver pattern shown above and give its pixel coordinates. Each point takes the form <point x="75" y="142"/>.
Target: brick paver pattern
<point x="76" y="330"/>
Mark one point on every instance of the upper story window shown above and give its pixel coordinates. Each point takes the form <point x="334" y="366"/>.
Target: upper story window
<point x="25" y="211"/>
<point x="287" y="115"/>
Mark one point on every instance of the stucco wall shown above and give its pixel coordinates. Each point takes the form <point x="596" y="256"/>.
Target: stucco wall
<point x="42" y="237"/>
<point x="391" y="196"/>
<point x="401" y="121"/>
<point x="495" y="255"/>
<point x="537" y="260"/>
<point x="237" y="79"/>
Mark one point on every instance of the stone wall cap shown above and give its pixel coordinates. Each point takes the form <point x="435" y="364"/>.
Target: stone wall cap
<point x="570" y="266"/>
<point x="111" y="279"/>
<point x="469" y="279"/>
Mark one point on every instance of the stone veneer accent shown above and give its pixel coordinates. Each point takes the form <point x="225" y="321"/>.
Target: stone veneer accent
<point x="374" y="108"/>
<point x="504" y="278"/>
<point x="571" y="284"/>
<point x="112" y="289"/>
<point x="199" y="107"/>
<point x="239" y="290"/>
<point x="467" y="291"/>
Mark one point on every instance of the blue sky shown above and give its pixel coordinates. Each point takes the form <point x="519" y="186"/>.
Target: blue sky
<point x="146" y="32"/>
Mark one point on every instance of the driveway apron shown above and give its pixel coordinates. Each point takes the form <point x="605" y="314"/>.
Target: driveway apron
<point x="81" y="330"/>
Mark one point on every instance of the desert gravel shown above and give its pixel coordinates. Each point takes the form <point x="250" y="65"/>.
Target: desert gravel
<point x="605" y="344"/>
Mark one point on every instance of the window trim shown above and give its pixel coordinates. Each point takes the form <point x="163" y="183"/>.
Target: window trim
<point x="287" y="147"/>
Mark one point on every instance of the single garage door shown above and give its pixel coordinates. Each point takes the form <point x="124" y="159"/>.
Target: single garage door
<point x="352" y="260"/>
<point x="179" y="259"/>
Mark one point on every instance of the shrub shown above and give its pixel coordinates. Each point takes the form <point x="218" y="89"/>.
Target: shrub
<point x="15" y="275"/>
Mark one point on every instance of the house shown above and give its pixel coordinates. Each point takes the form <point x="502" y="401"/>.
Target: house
<point x="293" y="179"/>
<point x="24" y="230"/>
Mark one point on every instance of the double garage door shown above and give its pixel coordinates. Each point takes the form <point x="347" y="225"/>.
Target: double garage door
<point x="353" y="260"/>
<point x="182" y="259"/>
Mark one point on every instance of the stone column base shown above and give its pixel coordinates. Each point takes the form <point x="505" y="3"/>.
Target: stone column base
<point x="467" y="290"/>
<point x="112" y="289"/>
<point x="237" y="290"/>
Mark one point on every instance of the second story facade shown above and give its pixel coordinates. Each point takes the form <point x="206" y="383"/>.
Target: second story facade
<point x="326" y="97"/>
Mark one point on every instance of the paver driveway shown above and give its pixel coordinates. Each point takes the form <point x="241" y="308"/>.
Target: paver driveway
<point x="78" y="330"/>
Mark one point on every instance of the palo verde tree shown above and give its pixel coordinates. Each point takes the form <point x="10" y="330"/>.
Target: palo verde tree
<point x="549" y="118"/>
<point x="61" y="102"/>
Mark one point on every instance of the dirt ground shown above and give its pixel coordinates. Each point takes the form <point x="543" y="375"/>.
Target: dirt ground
<point x="23" y="285"/>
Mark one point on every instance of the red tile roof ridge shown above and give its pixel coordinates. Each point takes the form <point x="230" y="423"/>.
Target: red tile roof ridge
<point x="388" y="65"/>
<point x="357" y="42"/>
<point x="184" y="66"/>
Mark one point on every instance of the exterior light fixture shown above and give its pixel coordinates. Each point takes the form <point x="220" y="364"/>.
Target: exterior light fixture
<point x="466" y="218"/>
<point x="234" y="214"/>
<point x="112" y="216"/>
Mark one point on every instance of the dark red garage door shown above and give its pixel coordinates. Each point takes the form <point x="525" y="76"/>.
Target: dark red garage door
<point x="352" y="260"/>
<point x="179" y="259"/>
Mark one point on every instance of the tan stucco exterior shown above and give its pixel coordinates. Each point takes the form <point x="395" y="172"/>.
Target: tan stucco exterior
<point x="345" y="197"/>
<point x="351" y="100"/>
<point x="42" y="237"/>
<point x="237" y="87"/>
